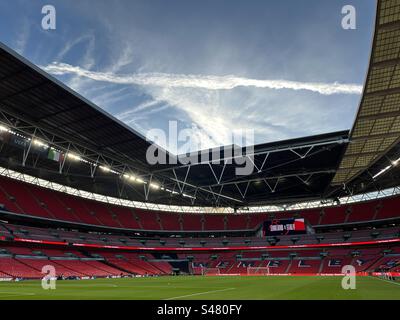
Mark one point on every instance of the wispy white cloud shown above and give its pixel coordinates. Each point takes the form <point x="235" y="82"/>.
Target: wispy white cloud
<point x="128" y="113"/>
<point x="69" y="45"/>
<point x="211" y="124"/>
<point x="88" y="40"/>
<point x="209" y="82"/>
<point x="211" y="106"/>
<point x="22" y="37"/>
<point x="124" y="58"/>
<point x="197" y="100"/>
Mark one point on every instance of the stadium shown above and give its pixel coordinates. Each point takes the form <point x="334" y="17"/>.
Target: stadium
<point x="80" y="202"/>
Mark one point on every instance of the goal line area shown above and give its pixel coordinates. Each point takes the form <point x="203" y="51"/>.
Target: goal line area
<point x="258" y="271"/>
<point x="249" y="271"/>
<point x="210" y="271"/>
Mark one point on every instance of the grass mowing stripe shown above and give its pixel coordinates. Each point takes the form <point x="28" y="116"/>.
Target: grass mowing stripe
<point x="200" y="293"/>
<point x="2" y="294"/>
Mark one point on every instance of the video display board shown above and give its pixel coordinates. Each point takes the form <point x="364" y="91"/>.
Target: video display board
<point x="284" y="227"/>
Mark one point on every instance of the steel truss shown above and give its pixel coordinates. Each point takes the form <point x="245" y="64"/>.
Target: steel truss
<point x="380" y="194"/>
<point x="167" y="179"/>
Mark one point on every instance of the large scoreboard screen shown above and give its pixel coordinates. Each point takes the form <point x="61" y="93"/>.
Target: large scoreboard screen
<point x="285" y="227"/>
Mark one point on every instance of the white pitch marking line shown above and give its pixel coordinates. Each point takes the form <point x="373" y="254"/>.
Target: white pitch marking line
<point x="396" y="283"/>
<point x="86" y="285"/>
<point x="200" y="293"/>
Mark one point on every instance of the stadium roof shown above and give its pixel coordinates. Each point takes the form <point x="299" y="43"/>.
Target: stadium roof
<point x="375" y="137"/>
<point x="98" y="153"/>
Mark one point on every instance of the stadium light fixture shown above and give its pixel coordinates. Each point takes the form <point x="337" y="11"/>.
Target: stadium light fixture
<point x="381" y="172"/>
<point x="393" y="164"/>
<point x="108" y="169"/>
<point x="3" y="128"/>
<point x="129" y="177"/>
<point x="171" y="191"/>
<point x="154" y="186"/>
<point x="396" y="162"/>
<point x="188" y="196"/>
<point x="105" y="169"/>
<point x="74" y="157"/>
<point x="140" y="180"/>
<point x="40" y="143"/>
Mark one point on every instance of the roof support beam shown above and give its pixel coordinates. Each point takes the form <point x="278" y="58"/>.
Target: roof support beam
<point x="307" y="173"/>
<point x="268" y="151"/>
<point x="62" y="163"/>
<point x="245" y="190"/>
<point x="218" y="180"/>
<point x="26" y="152"/>
<point x="272" y="189"/>
<point x="302" y="156"/>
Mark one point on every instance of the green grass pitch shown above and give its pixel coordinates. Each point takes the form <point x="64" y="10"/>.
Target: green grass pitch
<point x="205" y="288"/>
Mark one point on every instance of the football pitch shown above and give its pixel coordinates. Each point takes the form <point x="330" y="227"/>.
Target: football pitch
<point x="204" y="288"/>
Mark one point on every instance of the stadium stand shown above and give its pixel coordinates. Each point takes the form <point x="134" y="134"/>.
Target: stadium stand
<point x="49" y="234"/>
<point x="23" y="198"/>
<point x="26" y="260"/>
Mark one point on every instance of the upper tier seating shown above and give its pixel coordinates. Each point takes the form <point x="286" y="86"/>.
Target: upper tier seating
<point x="24" y="198"/>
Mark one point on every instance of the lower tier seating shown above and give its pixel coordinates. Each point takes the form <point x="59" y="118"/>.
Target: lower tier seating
<point x="27" y="262"/>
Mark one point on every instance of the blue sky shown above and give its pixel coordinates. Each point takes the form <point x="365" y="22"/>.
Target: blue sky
<point x="215" y="66"/>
